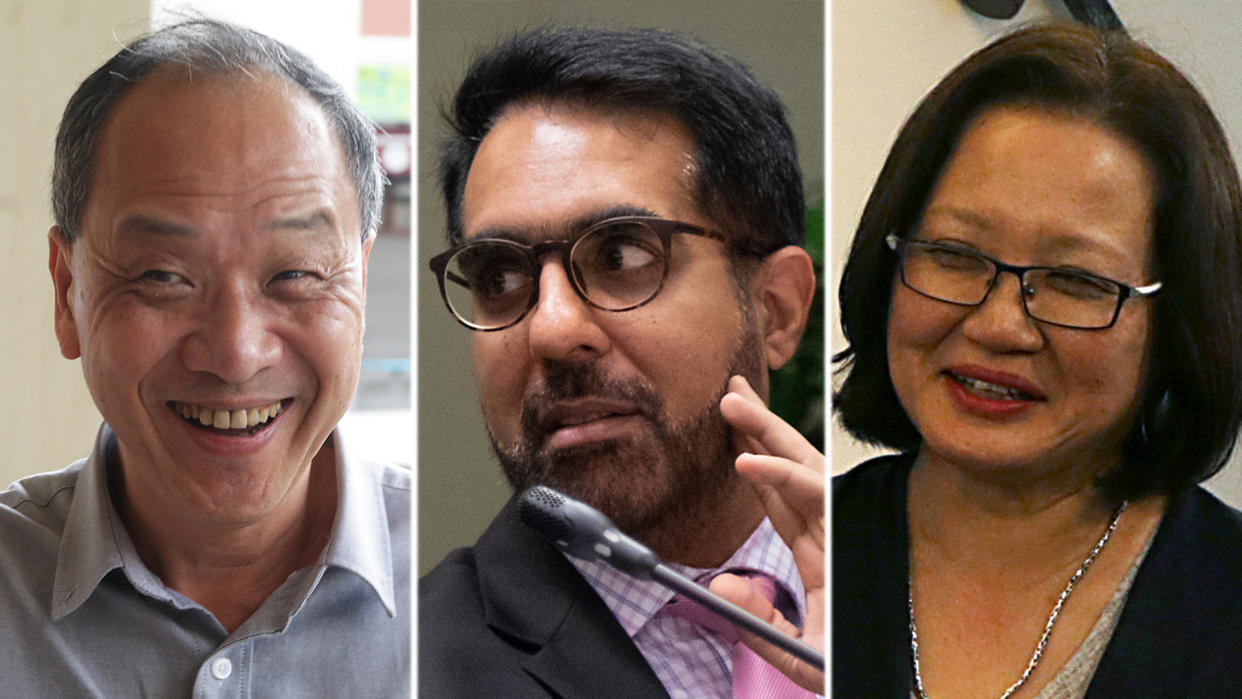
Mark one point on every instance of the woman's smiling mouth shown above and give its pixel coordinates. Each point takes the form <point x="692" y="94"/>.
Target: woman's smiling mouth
<point x="987" y="389"/>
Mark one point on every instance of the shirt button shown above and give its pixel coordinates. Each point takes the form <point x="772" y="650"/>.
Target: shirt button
<point x="221" y="668"/>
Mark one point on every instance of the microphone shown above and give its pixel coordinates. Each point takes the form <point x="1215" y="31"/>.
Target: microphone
<point x="583" y="532"/>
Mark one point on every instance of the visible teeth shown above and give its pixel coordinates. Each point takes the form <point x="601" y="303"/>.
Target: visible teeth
<point x="239" y="419"/>
<point x="991" y="390"/>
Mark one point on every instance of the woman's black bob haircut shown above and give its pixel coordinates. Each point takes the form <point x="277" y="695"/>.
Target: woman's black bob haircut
<point x="1191" y="403"/>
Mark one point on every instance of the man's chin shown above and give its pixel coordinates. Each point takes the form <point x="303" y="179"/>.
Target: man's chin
<point x="627" y="483"/>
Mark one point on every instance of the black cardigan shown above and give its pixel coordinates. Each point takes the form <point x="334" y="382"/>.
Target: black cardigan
<point x="1180" y="632"/>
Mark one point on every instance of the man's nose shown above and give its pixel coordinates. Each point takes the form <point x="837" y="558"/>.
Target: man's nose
<point x="232" y="337"/>
<point x="563" y="325"/>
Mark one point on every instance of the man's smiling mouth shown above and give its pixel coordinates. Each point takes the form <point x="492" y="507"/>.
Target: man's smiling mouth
<point x="240" y="421"/>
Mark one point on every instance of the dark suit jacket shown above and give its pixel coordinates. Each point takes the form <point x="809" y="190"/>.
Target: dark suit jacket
<point x="510" y="617"/>
<point x="1180" y="632"/>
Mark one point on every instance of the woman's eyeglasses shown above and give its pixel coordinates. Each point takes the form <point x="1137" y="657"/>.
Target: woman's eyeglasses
<point x="1060" y="296"/>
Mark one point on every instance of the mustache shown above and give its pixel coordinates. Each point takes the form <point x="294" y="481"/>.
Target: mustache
<point x="572" y="380"/>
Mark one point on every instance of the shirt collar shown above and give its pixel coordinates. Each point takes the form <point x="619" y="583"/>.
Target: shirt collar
<point x="360" y="540"/>
<point x="95" y="541"/>
<point x="634" y="602"/>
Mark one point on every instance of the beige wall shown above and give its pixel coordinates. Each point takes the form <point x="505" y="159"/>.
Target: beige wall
<point x="47" y="47"/>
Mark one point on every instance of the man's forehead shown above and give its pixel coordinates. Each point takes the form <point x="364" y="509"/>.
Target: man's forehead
<point x="546" y="118"/>
<point x="582" y="163"/>
<point x="524" y="232"/>
<point x="242" y="141"/>
<point x="169" y="102"/>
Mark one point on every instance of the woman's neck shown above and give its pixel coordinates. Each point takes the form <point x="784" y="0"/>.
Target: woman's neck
<point x="1008" y="519"/>
<point x="990" y="555"/>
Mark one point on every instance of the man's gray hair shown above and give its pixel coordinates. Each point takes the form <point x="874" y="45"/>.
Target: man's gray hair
<point x="216" y="48"/>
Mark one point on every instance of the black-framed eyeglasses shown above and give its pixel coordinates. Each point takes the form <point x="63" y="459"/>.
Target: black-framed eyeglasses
<point x="1060" y="296"/>
<point x="615" y="265"/>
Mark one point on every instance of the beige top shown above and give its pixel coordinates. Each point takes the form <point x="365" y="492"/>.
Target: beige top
<point x="1072" y="681"/>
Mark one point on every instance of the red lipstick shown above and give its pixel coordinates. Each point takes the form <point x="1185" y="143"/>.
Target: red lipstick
<point x="989" y="392"/>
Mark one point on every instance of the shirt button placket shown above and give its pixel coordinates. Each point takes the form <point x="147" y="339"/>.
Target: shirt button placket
<point x="219" y="677"/>
<point x="221" y="668"/>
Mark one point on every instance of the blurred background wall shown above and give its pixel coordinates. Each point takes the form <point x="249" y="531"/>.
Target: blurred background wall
<point x="47" y="419"/>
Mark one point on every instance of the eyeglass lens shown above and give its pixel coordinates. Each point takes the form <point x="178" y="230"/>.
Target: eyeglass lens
<point x="1054" y="295"/>
<point x="616" y="266"/>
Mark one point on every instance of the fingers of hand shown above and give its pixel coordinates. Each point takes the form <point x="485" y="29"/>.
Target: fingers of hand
<point x="771" y="434"/>
<point x="739" y="591"/>
<point x="802" y="488"/>
<point x="739" y="385"/>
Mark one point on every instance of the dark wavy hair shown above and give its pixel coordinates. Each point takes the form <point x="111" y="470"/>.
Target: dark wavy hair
<point x="746" y="167"/>
<point x="1191" y="408"/>
<point x="212" y="47"/>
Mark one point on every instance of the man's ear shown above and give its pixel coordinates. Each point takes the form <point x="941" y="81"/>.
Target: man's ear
<point x="60" y="264"/>
<point x="366" y="256"/>
<point x="782" y="289"/>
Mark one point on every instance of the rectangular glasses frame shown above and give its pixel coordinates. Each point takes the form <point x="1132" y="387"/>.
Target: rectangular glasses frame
<point x="1124" y="291"/>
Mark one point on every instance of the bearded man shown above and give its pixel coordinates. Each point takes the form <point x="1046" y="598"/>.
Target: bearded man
<point x="625" y="211"/>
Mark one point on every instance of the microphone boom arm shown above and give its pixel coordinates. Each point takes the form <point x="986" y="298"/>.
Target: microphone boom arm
<point x="584" y="532"/>
<point x="740" y="617"/>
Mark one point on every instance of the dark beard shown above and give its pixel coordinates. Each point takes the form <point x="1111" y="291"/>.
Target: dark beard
<point x="676" y="472"/>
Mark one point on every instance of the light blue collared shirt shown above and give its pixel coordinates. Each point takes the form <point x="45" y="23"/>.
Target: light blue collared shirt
<point x="81" y="615"/>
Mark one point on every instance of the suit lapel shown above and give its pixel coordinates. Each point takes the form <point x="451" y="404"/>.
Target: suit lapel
<point x="533" y="594"/>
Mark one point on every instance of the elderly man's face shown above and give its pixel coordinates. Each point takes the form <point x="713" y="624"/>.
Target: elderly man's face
<point x="619" y="409"/>
<point x="219" y="277"/>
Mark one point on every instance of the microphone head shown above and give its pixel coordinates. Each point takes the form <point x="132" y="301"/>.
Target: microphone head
<point x="582" y="531"/>
<point x="539" y="508"/>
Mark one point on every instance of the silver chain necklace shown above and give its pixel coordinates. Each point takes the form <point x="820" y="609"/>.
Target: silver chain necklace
<point x="1052" y="618"/>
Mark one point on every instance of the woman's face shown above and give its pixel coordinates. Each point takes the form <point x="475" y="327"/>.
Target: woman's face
<point x="988" y="386"/>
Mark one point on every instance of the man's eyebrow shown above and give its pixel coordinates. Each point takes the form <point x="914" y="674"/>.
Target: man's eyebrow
<point x="315" y="221"/>
<point x="562" y="231"/>
<point x="141" y="226"/>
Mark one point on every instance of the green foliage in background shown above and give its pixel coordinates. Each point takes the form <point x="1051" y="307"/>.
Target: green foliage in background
<point x="798" y="387"/>
<point x="383" y="93"/>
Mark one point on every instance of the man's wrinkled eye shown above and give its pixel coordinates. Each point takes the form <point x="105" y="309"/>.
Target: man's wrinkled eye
<point x="161" y="276"/>
<point x="291" y="275"/>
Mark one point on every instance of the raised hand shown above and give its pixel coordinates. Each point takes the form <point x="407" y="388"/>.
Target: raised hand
<point x="787" y="473"/>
